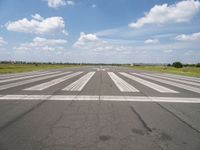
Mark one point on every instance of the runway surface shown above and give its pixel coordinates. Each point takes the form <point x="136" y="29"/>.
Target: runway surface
<point x="99" y="108"/>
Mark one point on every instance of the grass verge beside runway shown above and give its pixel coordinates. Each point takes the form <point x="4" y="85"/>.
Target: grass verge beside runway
<point x="187" y="71"/>
<point x="16" y="68"/>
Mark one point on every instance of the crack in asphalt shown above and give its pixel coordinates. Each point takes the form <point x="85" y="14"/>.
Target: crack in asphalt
<point x="141" y="119"/>
<point x="180" y="119"/>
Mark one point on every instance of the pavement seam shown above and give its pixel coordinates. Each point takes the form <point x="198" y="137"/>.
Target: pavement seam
<point x="183" y="121"/>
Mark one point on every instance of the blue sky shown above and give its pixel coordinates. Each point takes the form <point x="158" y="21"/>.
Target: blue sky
<point x="100" y="31"/>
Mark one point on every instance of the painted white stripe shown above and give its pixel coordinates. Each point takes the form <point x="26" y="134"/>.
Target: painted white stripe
<point x="150" y="99"/>
<point x="122" y="85"/>
<point x="154" y="86"/>
<point x="179" y="85"/>
<point x="194" y="79"/>
<point x="26" y="77"/>
<point x="6" y="76"/>
<point x="80" y="83"/>
<point x="75" y="97"/>
<point x="102" y="98"/>
<point x="11" y="85"/>
<point x="172" y="79"/>
<point x="20" y="73"/>
<point x="51" y="83"/>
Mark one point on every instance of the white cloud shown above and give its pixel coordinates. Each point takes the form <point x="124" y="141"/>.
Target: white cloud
<point x="89" y="41"/>
<point x="151" y="41"/>
<point x="2" y="41"/>
<point x="168" y="51"/>
<point x="94" y="43"/>
<point x="37" y="17"/>
<point x="39" y="43"/>
<point x="71" y="3"/>
<point x="94" y="5"/>
<point x="38" y="25"/>
<point x="59" y="3"/>
<point x="182" y="11"/>
<point x="191" y="37"/>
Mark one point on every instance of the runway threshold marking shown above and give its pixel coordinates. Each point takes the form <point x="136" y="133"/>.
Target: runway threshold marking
<point x="79" y="84"/>
<point x="122" y="85"/>
<point x="179" y="85"/>
<point x="51" y="83"/>
<point x="19" y="83"/>
<point x="15" y="75"/>
<point x="26" y="77"/>
<point x="151" y="85"/>
<point x="193" y="79"/>
<point x="101" y="98"/>
<point x="172" y="79"/>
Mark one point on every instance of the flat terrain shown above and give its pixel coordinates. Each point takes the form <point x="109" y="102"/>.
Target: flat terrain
<point x="99" y="108"/>
<point x="187" y="71"/>
<point x="16" y="68"/>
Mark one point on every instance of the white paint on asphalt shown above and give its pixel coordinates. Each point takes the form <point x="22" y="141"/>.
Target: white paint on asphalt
<point x="179" y="85"/>
<point x="122" y="85"/>
<point x="51" y="83"/>
<point x="6" y="76"/>
<point x="101" y="98"/>
<point x="26" y="77"/>
<point x="193" y="79"/>
<point x="101" y="69"/>
<point x="19" y="83"/>
<point x="79" y="84"/>
<point x="176" y="80"/>
<point x="154" y="86"/>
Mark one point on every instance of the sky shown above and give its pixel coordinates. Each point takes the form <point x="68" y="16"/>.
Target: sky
<point x="100" y="31"/>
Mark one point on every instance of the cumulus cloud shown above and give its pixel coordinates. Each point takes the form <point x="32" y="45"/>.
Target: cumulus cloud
<point x="94" y="43"/>
<point x="89" y="41"/>
<point x="191" y="37"/>
<point x="38" y="25"/>
<point x="182" y="11"/>
<point x="59" y="3"/>
<point x="37" y="17"/>
<point x="39" y="43"/>
<point x="151" y="41"/>
<point x="2" y="41"/>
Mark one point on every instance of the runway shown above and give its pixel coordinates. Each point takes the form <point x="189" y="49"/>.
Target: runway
<point x="99" y="108"/>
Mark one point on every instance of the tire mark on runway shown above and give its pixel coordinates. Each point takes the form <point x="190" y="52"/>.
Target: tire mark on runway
<point x="20" y="116"/>
<point x="141" y="119"/>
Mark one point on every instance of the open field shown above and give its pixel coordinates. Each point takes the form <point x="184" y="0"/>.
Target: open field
<point x="15" y="68"/>
<point x="187" y="71"/>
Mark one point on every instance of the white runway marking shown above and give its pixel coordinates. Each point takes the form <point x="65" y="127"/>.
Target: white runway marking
<point x="80" y="83"/>
<point x="172" y="79"/>
<point x="6" y="76"/>
<point x="193" y="79"/>
<point x="154" y="86"/>
<point x="179" y="85"/>
<point x="122" y="85"/>
<point x="51" y="83"/>
<point x="101" y="98"/>
<point x="11" y="85"/>
<point x="26" y="77"/>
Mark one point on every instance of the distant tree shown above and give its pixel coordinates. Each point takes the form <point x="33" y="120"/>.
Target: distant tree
<point x="198" y="65"/>
<point x="177" y="64"/>
<point x="168" y="65"/>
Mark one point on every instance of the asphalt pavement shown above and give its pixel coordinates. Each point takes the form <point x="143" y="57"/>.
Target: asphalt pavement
<point x="99" y="108"/>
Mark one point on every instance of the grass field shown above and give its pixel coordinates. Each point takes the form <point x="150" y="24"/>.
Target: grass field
<point x="16" y="68"/>
<point x="187" y="71"/>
